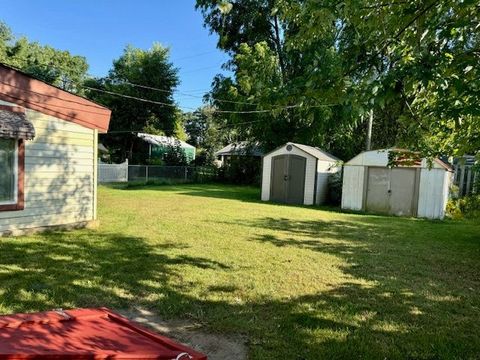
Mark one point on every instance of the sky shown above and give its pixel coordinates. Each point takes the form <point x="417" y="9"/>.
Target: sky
<point x="100" y="30"/>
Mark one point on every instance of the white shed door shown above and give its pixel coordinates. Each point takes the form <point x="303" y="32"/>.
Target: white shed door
<point x="391" y="191"/>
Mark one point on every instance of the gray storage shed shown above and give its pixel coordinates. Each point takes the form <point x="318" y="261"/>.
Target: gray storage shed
<point x="297" y="174"/>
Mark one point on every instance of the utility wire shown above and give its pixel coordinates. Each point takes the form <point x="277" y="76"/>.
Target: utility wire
<point x="189" y="95"/>
<point x="226" y="126"/>
<point x="262" y="111"/>
<point x="194" y="55"/>
<point x="135" y="98"/>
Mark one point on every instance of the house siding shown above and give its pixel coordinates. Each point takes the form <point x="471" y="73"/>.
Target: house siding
<point x="59" y="176"/>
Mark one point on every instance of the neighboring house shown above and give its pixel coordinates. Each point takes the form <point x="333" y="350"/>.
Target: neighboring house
<point x="297" y="174"/>
<point x="159" y="145"/>
<point x="409" y="187"/>
<point x="467" y="175"/>
<point x="48" y="154"/>
<point x="243" y="149"/>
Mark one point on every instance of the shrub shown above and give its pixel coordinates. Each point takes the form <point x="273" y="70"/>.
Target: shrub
<point x="240" y="170"/>
<point x="466" y="207"/>
<point x="335" y="181"/>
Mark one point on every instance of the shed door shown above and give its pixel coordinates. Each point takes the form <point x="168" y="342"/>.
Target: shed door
<point x="402" y="184"/>
<point x="278" y="191"/>
<point x="288" y="179"/>
<point x="377" y="190"/>
<point x="296" y="179"/>
<point x="391" y="191"/>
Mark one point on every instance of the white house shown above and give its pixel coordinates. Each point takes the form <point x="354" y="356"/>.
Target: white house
<point x="412" y="187"/>
<point x="297" y="174"/>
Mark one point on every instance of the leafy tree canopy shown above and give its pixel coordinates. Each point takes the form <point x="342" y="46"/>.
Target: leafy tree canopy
<point x="150" y="69"/>
<point x="54" y="66"/>
<point x="321" y="66"/>
<point x="205" y="132"/>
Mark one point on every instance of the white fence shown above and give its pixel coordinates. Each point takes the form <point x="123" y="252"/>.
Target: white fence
<point x="112" y="172"/>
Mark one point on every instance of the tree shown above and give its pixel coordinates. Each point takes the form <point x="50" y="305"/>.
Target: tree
<point x="175" y="155"/>
<point x="134" y="75"/>
<point x="56" y="67"/>
<point x="206" y="134"/>
<point x="320" y="66"/>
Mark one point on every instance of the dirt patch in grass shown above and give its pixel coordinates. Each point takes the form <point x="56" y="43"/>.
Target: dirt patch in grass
<point x="217" y="347"/>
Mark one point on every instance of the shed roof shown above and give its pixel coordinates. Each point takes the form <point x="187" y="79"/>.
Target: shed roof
<point x="162" y="140"/>
<point x="14" y="124"/>
<point x="24" y="90"/>
<point x="380" y="158"/>
<point x="311" y="150"/>
<point x="241" y="148"/>
<point x="316" y="152"/>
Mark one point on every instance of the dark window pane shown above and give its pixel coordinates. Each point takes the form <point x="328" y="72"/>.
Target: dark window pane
<point x="7" y="170"/>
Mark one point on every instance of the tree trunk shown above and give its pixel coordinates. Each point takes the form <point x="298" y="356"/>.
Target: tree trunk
<point x="369" y="131"/>
<point x="278" y="45"/>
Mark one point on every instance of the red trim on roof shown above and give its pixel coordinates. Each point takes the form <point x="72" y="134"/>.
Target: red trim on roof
<point x="21" y="89"/>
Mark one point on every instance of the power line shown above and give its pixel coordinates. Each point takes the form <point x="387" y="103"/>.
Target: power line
<point x="262" y="111"/>
<point x="200" y="69"/>
<point x="226" y="126"/>
<point x="194" y="55"/>
<point x="136" y="98"/>
<point x="189" y="95"/>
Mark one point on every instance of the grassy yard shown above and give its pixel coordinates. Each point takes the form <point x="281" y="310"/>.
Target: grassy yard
<point x="296" y="282"/>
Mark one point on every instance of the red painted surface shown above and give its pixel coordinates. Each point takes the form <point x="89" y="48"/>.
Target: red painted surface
<point x="21" y="89"/>
<point x="84" y="334"/>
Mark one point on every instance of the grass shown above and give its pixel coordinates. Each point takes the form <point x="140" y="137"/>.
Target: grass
<point x="296" y="282"/>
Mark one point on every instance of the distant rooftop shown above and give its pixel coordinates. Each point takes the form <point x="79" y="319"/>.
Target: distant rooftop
<point x="241" y="148"/>
<point x="162" y="140"/>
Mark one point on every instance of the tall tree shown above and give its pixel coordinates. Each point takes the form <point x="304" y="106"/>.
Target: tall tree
<point x="138" y="73"/>
<point x="54" y="66"/>
<point x="205" y="132"/>
<point x="415" y="64"/>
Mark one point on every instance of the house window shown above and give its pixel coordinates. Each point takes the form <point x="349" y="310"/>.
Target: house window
<point x="8" y="171"/>
<point x="12" y="167"/>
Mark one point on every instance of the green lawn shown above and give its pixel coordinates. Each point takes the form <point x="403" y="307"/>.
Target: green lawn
<point x="296" y="282"/>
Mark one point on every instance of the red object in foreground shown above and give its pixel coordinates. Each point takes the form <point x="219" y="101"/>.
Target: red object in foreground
<point x="84" y="334"/>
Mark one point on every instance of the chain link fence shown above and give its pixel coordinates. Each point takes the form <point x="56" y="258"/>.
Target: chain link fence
<point x="156" y="173"/>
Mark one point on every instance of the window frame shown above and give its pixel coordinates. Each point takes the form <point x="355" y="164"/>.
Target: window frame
<point x="19" y="201"/>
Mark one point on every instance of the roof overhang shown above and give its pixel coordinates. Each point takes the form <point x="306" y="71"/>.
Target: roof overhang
<point x="21" y="89"/>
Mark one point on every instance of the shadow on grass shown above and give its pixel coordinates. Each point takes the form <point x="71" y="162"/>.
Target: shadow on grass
<point x="242" y="193"/>
<point x="412" y="293"/>
<point x="86" y="268"/>
<point x="216" y="191"/>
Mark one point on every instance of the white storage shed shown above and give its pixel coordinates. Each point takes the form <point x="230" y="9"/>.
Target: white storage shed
<point x="410" y="188"/>
<point x="297" y="174"/>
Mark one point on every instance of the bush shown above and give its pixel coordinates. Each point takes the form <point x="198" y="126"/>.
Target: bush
<point x="241" y="170"/>
<point x="335" y="182"/>
<point x="175" y="156"/>
<point x="466" y="207"/>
